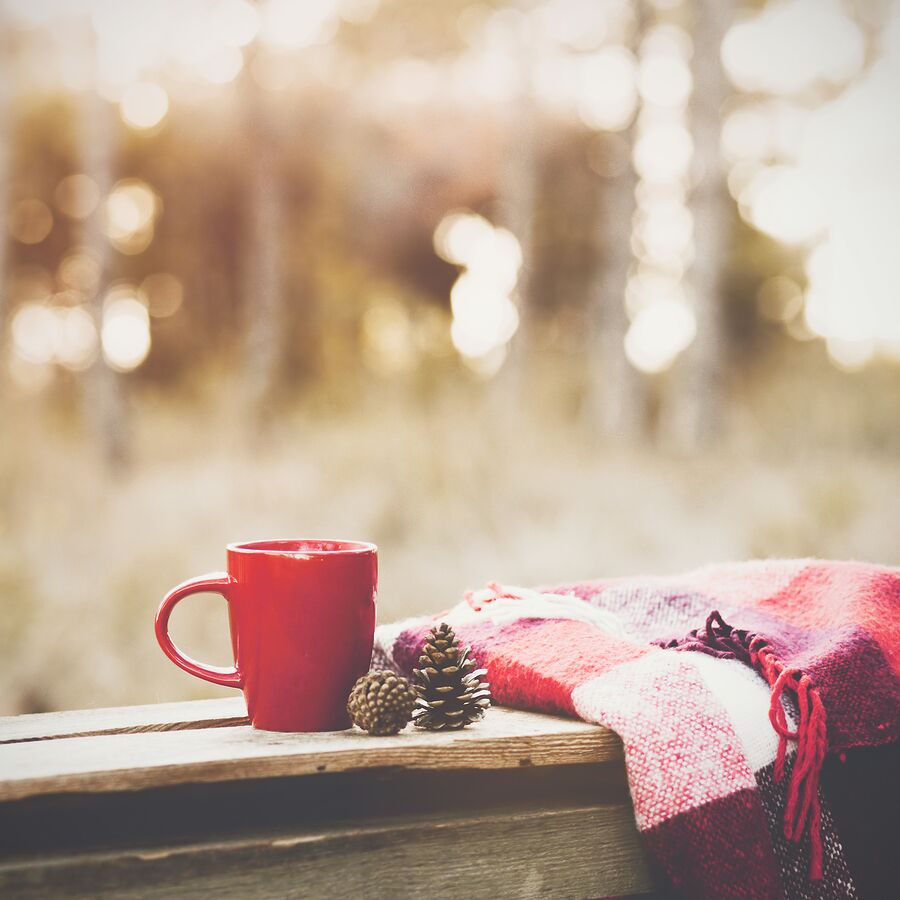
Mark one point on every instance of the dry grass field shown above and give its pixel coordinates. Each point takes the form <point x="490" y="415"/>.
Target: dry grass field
<point x="453" y="494"/>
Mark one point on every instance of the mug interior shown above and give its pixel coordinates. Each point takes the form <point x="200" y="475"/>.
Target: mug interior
<point x="303" y="547"/>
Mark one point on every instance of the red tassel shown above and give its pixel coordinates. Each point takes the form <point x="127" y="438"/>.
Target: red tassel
<point x="802" y="813"/>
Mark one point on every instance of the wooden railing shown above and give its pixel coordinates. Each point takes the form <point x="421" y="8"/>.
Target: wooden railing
<point x="187" y="799"/>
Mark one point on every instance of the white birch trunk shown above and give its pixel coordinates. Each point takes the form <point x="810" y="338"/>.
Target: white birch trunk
<point x="692" y="416"/>
<point x="263" y="287"/>
<point x="104" y="404"/>
<point x="517" y="198"/>
<point x="615" y="399"/>
<point x="616" y="394"/>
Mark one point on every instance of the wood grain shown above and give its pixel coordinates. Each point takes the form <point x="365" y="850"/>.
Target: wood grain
<point x="517" y="805"/>
<point x="575" y="852"/>
<point x="125" y="762"/>
<point x="124" y="720"/>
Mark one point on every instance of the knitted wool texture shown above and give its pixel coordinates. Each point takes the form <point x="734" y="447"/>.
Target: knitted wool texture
<point x="760" y="763"/>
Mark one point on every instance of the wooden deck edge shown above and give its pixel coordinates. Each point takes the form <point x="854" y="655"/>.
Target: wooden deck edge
<point x="493" y="753"/>
<point x="179" y="716"/>
<point x="575" y="851"/>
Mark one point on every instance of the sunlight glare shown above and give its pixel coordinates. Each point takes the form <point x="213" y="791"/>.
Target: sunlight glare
<point x="236" y="22"/>
<point x="287" y="23"/>
<point x="44" y="334"/>
<point x="783" y="202"/>
<point x="221" y="65"/>
<point x="131" y="210"/>
<point x="665" y="81"/>
<point x="607" y="89"/>
<point x="144" y="105"/>
<point x="126" y="333"/>
<point x="658" y="334"/>
<point x="459" y="235"/>
<point x="663" y="151"/>
<point x="775" y="50"/>
<point x="850" y="355"/>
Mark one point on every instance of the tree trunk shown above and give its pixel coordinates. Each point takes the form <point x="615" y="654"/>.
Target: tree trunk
<point x="616" y="395"/>
<point x="615" y="399"/>
<point x="516" y="203"/>
<point x="104" y="404"/>
<point x="263" y="287"/>
<point x="693" y="415"/>
<point x="6" y="138"/>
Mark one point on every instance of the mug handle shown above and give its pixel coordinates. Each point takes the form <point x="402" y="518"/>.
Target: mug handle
<point x="217" y="583"/>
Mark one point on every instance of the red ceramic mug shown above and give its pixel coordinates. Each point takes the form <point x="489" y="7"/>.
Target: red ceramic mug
<point x="302" y="616"/>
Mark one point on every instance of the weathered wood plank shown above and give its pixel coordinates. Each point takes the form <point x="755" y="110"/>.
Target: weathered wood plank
<point x="64" y="824"/>
<point x="576" y="852"/>
<point x="123" y="762"/>
<point x="124" y="720"/>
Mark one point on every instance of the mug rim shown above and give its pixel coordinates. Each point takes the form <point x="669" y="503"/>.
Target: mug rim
<point x="302" y="547"/>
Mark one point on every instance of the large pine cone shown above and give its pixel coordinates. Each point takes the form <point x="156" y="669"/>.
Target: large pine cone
<point x="381" y="702"/>
<point x="450" y="691"/>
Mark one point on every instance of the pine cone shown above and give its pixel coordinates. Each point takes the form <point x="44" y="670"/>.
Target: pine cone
<point x="381" y="702"/>
<point x="450" y="691"/>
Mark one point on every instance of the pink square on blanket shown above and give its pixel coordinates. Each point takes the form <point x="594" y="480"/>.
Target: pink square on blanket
<point x="849" y="594"/>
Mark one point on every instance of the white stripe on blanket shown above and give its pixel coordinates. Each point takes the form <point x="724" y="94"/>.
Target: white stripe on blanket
<point x="681" y="749"/>
<point x="745" y="696"/>
<point x="530" y="604"/>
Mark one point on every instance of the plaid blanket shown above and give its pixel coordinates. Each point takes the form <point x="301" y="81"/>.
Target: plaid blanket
<point x="757" y="703"/>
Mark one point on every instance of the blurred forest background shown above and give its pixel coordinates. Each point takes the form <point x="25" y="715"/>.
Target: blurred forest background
<point x="530" y="290"/>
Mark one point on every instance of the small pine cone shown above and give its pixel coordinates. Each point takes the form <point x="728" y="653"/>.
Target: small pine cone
<point x="449" y="688"/>
<point x="381" y="702"/>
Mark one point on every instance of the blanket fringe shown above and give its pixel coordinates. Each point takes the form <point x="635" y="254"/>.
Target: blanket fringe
<point x="802" y="812"/>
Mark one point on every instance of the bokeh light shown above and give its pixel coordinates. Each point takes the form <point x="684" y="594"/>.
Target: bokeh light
<point x="144" y="105"/>
<point x="665" y="38"/>
<point x="126" y="330"/>
<point x="235" y="22"/>
<point x="665" y="80"/>
<point x="783" y="202"/>
<point x="792" y="44"/>
<point x="221" y="65"/>
<point x="824" y="178"/>
<point x="131" y="210"/>
<point x="747" y="133"/>
<point x="607" y="89"/>
<point x="460" y="235"/>
<point x="30" y="221"/>
<point x="34" y="332"/>
<point x="287" y="23"/>
<point x="779" y="299"/>
<point x="163" y="293"/>
<point x="850" y="355"/>
<point x="663" y="151"/>
<point x="388" y="345"/>
<point x="664" y="232"/>
<point x="659" y="332"/>
<point x="485" y="317"/>
<point x="77" y="347"/>
<point x="43" y="334"/>
<point x="574" y="24"/>
<point x="77" y="195"/>
<point x="663" y="323"/>
<point x="80" y="271"/>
